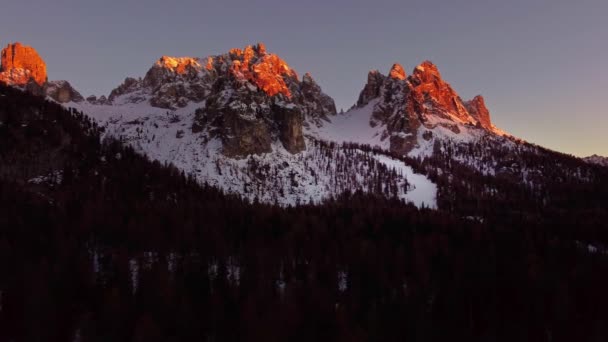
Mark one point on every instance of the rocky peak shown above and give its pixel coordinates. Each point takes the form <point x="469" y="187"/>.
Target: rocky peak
<point x="427" y="72"/>
<point x="423" y="100"/>
<point x="248" y="98"/>
<point x="267" y="71"/>
<point x="478" y="110"/>
<point x="427" y="81"/>
<point x="21" y="66"/>
<point x="251" y="98"/>
<point x="372" y="88"/>
<point x="178" y="65"/>
<point x="397" y="72"/>
<point x="129" y="85"/>
<point x="63" y="92"/>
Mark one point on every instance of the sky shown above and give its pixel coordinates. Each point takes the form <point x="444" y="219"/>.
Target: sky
<point x="542" y="65"/>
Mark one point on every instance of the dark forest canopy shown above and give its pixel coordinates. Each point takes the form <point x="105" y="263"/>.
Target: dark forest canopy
<point x="98" y="243"/>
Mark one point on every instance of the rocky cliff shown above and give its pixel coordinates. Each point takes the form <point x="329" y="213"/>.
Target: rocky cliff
<point x="405" y="104"/>
<point x="22" y="67"/>
<point x="248" y="98"/>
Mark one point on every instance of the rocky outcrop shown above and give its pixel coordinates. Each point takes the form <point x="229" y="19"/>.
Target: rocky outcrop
<point x="314" y="104"/>
<point x="21" y="64"/>
<point x="62" y="92"/>
<point x="478" y="110"/>
<point x="441" y="98"/>
<point x="248" y="98"/>
<point x="423" y="99"/>
<point x="397" y="72"/>
<point x="22" y="67"/>
<point x="290" y="119"/>
<point x="372" y="88"/>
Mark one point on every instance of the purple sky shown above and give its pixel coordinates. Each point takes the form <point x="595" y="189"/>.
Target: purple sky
<point x="541" y="65"/>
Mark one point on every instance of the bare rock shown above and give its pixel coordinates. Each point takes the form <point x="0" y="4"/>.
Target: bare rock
<point x="63" y="92"/>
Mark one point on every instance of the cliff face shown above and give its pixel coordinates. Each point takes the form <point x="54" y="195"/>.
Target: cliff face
<point x="477" y="108"/>
<point x="62" y="92"/>
<point x="20" y="65"/>
<point x="248" y="98"/>
<point x="423" y="99"/>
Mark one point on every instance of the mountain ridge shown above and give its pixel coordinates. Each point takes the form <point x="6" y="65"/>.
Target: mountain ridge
<point x="244" y="121"/>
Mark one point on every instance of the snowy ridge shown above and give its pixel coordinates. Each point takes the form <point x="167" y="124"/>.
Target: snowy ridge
<point x="321" y="171"/>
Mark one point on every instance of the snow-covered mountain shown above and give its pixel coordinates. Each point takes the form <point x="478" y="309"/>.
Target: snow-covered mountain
<point x="247" y="123"/>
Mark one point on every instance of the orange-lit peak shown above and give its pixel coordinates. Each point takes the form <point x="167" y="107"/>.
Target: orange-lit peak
<point x="178" y="64"/>
<point x="427" y="67"/>
<point x="397" y="72"/>
<point x="20" y="64"/>
<point x="268" y="75"/>
<point x="261" y="49"/>
<point x="235" y="52"/>
<point x="209" y="65"/>
<point x="265" y="70"/>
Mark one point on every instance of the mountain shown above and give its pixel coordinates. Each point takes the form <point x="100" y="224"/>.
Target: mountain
<point x="114" y="222"/>
<point x="97" y="242"/>
<point x="595" y="159"/>
<point x="245" y="122"/>
<point x="22" y="67"/>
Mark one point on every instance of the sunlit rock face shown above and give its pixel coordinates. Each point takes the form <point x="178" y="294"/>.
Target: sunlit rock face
<point x="406" y="104"/>
<point x="248" y="98"/>
<point x="267" y="71"/>
<point x="427" y="81"/>
<point x="21" y="66"/>
<point x="477" y="108"/>
<point x="397" y="72"/>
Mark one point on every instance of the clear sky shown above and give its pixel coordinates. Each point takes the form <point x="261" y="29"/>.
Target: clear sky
<point x="541" y="65"/>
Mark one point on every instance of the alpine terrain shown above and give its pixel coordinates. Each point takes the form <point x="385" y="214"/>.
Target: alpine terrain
<point x="224" y="198"/>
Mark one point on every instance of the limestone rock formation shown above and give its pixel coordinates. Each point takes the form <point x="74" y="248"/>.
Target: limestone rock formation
<point x="404" y="104"/>
<point x="21" y="64"/>
<point x="248" y="98"/>
<point x="397" y="72"/>
<point x="62" y="92"/>
<point x="478" y="110"/>
<point x="22" y="67"/>
<point x="375" y="80"/>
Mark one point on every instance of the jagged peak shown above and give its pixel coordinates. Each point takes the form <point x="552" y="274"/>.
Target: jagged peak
<point x="426" y="67"/>
<point x="375" y="75"/>
<point x="307" y="78"/>
<point x="478" y="98"/>
<point x="261" y="48"/>
<point x="478" y="110"/>
<point x="265" y="70"/>
<point x="21" y="64"/>
<point x="178" y="65"/>
<point x="63" y="92"/>
<point x="397" y="72"/>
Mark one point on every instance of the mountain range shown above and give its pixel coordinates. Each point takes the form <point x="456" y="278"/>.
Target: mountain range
<point x="246" y="122"/>
<point x="225" y="199"/>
